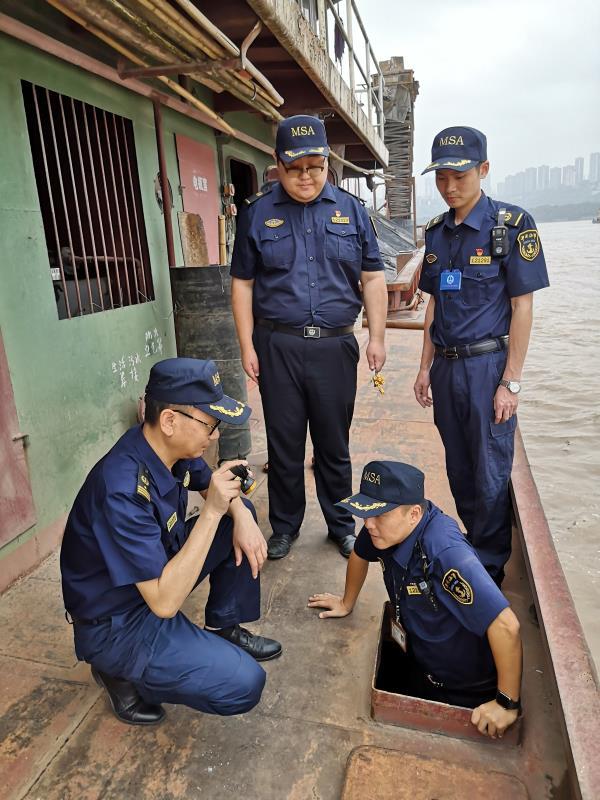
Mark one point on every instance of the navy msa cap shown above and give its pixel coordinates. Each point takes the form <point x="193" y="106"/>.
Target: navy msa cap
<point x="194" y="382"/>
<point x="385" y="485"/>
<point x="301" y="136"/>
<point x="457" y="148"/>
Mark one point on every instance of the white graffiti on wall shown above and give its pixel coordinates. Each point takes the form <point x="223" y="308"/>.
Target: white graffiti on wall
<point x="126" y="369"/>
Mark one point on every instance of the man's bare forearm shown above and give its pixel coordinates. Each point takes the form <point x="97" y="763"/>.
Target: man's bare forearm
<point x="505" y="642"/>
<point x="375" y="300"/>
<point x="165" y="595"/>
<point x="356" y="572"/>
<point x="519" y="332"/>
<point x="241" y="305"/>
<point x="428" y="350"/>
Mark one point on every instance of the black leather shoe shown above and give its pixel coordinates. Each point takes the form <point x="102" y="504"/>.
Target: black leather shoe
<point x="279" y="546"/>
<point x="259" y="647"/>
<point x="345" y="545"/>
<point x="126" y="703"/>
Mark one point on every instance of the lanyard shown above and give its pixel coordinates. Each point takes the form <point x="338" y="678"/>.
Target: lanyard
<point x="426" y="585"/>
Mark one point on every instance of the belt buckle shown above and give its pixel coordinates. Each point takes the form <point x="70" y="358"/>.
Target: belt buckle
<point x="451" y="353"/>
<point x="312" y="332"/>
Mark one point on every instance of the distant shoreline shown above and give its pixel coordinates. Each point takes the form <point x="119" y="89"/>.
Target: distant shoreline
<point x="566" y="213"/>
<point x="569" y="212"/>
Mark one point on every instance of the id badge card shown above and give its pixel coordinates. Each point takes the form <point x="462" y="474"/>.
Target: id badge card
<point x="450" y="280"/>
<point x="399" y="635"/>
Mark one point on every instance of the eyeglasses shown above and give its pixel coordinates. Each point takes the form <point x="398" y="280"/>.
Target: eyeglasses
<point x="298" y="172"/>
<point x="211" y="428"/>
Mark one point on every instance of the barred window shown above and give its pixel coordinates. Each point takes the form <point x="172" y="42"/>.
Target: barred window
<point x="89" y="192"/>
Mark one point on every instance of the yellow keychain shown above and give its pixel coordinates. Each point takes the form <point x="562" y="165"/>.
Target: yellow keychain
<point x="378" y="381"/>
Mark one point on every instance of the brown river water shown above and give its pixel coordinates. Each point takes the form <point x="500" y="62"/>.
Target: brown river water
<point x="559" y="409"/>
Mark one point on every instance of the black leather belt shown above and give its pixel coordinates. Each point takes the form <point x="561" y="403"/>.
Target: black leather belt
<point x="307" y="332"/>
<point x="475" y="349"/>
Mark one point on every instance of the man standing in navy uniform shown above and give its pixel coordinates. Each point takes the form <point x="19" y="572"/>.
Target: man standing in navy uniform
<point x="483" y="261"/>
<point x="129" y="558"/>
<point x="300" y="251"/>
<point x="460" y="637"/>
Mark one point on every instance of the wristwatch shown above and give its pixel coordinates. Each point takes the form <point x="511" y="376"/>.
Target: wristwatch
<point x="514" y="387"/>
<point x="507" y="702"/>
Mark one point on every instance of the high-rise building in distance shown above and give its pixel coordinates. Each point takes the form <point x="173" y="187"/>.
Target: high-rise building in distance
<point x="578" y="170"/>
<point x="543" y="177"/>
<point x="568" y="175"/>
<point x="530" y="179"/>
<point x="594" y="173"/>
<point x="555" y="177"/>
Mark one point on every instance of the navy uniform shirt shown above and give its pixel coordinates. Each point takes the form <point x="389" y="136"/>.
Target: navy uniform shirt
<point x="481" y="309"/>
<point x="449" y="642"/>
<point x="127" y="521"/>
<point x="305" y="259"/>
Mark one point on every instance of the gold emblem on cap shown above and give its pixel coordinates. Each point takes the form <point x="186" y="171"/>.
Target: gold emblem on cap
<point x="235" y="413"/>
<point x="216" y="379"/>
<point x="370" y="507"/>
<point x="186" y="479"/>
<point x="274" y="223"/>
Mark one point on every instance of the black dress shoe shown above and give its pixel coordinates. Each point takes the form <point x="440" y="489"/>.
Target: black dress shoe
<point x="126" y="703"/>
<point x="279" y="546"/>
<point x="259" y="647"/>
<point x="345" y="545"/>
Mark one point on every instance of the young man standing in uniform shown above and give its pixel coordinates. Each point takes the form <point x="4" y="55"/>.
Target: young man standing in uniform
<point x="483" y="261"/>
<point x="129" y="558"/>
<point x="461" y="638"/>
<point x="300" y="251"/>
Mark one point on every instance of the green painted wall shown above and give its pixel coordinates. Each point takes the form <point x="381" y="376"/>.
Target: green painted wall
<point x="69" y="398"/>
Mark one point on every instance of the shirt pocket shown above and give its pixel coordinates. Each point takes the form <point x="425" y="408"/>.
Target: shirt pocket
<point x="342" y="243"/>
<point x="477" y="284"/>
<point x="276" y="247"/>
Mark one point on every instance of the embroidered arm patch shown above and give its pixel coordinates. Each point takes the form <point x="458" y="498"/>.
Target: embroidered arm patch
<point x="460" y="589"/>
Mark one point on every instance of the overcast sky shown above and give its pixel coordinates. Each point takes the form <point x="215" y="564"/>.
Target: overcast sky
<point x="525" y="72"/>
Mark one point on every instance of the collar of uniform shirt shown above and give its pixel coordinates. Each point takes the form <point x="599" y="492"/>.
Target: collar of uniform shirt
<point x="404" y="550"/>
<point x="281" y="196"/>
<point x="163" y="478"/>
<point x="475" y="217"/>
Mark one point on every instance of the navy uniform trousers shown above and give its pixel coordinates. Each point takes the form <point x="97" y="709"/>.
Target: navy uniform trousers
<point x="307" y="382"/>
<point x="175" y="661"/>
<point x="479" y="452"/>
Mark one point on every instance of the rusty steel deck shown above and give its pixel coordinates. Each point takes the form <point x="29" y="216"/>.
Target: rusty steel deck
<point x="58" y="740"/>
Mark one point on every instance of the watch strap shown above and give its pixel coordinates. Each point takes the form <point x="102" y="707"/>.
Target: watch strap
<point x="507" y="702"/>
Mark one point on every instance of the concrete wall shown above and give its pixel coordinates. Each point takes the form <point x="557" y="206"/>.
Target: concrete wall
<point x="71" y="398"/>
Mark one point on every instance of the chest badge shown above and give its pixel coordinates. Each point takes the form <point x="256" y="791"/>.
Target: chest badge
<point x="274" y="223"/>
<point x="460" y="589"/>
<point x="412" y="588"/>
<point x="337" y="217"/>
<point x="480" y="258"/>
<point x="431" y="258"/>
<point x="529" y="244"/>
<point x="171" y="521"/>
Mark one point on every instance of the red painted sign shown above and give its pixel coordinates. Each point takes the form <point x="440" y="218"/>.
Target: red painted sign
<point x="199" y="188"/>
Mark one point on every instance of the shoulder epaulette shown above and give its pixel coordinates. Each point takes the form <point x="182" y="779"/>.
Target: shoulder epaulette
<point x="435" y="221"/>
<point x="264" y="191"/>
<point x="143" y="483"/>
<point x="514" y="215"/>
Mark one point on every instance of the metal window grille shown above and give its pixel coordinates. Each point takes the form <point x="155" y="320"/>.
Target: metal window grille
<point x="89" y="191"/>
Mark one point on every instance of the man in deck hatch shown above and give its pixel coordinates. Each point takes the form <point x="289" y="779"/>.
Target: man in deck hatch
<point x="483" y="262"/>
<point x="460" y="638"/>
<point x="129" y="559"/>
